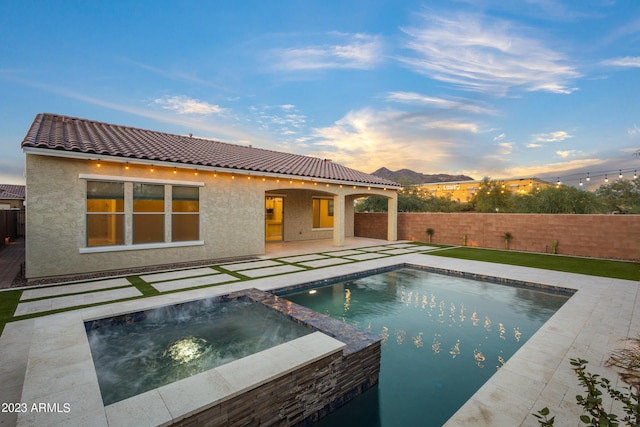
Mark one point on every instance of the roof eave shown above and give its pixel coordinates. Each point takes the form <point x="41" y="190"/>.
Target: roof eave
<point x="135" y="161"/>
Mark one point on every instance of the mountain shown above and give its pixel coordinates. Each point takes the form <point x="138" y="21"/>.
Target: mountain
<point x="407" y="176"/>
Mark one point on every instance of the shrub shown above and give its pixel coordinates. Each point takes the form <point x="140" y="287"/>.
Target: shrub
<point x="596" y="386"/>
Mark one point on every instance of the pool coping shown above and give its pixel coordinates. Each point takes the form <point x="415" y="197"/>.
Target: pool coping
<point x="601" y="313"/>
<point x="448" y="272"/>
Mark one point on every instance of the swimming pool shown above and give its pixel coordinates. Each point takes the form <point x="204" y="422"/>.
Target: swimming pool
<point x="442" y="338"/>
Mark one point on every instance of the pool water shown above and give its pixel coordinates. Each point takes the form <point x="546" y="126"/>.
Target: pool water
<point x="143" y="351"/>
<point x="442" y="338"/>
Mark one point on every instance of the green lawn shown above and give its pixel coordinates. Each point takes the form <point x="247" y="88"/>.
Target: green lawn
<point x="591" y="266"/>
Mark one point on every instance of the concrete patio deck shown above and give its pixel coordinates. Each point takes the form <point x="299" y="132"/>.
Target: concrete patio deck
<point x="47" y="360"/>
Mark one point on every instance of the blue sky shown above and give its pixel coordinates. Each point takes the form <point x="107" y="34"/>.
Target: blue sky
<point x="544" y="88"/>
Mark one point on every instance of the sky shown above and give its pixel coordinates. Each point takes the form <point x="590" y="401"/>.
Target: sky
<point x="485" y="88"/>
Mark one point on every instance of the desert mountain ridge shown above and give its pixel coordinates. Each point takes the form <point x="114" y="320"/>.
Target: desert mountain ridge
<point x="407" y="176"/>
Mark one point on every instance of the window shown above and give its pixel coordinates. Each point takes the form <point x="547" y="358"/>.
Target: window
<point x="105" y="213"/>
<point x="185" y="216"/>
<point x="128" y="213"/>
<point x="322" y="213"/>
<point x="148" y="213"/>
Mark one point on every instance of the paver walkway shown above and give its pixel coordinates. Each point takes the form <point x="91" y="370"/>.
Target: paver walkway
<point x="47" y="298"/>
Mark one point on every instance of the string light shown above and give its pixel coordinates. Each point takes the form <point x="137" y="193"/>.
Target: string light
<point x="574" y="179"/>
<point x="580" y="179"/>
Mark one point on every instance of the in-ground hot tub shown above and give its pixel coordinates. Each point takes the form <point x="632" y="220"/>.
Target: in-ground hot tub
<point x="145" y="350"/>
<point x="267" y="359"/>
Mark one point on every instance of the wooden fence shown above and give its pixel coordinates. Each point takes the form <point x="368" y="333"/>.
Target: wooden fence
<point x="11" y="224"/>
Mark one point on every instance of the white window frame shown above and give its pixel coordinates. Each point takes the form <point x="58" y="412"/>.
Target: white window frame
<point x="128" y="246"/>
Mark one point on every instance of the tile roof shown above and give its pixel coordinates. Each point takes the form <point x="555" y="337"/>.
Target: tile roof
<point x="8" y="191"/>
<point x="54" y="132"/>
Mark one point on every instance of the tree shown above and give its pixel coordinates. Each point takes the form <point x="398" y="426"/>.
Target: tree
<point x="621" y="196"/>
<point x="409" y="200"/>
<point x="492" y="196"/>
<point x="372" y="204"/>
<point x="441" y="204"/>
<point x="507" y="238"/>
<point x="430" y="233"/>
<point x="562" y="199"/>
<point x="412" y="199"/>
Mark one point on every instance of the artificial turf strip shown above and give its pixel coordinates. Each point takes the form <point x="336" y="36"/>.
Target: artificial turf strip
<point x="591" y="266"/>
<point x="8" y="303"/>
<point x="231" y="273"/>
<point x="145" y="289"/>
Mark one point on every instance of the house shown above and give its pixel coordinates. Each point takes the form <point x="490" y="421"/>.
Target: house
<point x="104" y="197"/>
<point x="11" y="197"/>
<point x="463" y="191"/>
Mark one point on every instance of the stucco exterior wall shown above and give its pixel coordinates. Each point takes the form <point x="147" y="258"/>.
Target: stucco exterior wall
<point x="598" y="236"/>
<point x="232" y="215"/>
<point x="298" y="216"/>
<point x="231" y="219"/>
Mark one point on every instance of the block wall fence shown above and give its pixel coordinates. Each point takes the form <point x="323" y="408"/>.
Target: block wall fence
<point x="598" y="236"/>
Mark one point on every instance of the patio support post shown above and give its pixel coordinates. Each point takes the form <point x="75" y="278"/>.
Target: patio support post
<point x="338" y="220"/>
<point x="392" y="218"/>
<point x="128" y="213"/>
